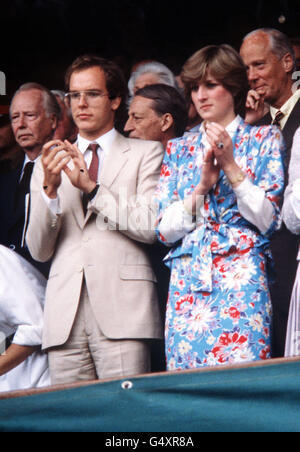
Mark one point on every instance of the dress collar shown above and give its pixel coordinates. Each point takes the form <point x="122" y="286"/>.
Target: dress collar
<point x="230" y="128"/>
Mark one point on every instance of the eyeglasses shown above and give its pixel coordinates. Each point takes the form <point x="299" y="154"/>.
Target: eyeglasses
<point x="90" y="96"/>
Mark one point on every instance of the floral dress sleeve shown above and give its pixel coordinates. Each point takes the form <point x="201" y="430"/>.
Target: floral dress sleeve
<point x="259" y="198"/>
<point x="166" y="193"/>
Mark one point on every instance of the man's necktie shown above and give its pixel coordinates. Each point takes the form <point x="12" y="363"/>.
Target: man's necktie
<point x="93" y="172"/>
<point x="24" y="185"/>
<point x="94" y="166"/>
<point x="22" y="207"/>
<point x="278" y="117"/>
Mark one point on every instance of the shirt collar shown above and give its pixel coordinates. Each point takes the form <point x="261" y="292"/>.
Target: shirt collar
<point x="104" y="141"/>
<point x="288" y="106"/>
<point x="233" y="126"/>
<point x="230" y="128"/>
<point x="27" y="160"/>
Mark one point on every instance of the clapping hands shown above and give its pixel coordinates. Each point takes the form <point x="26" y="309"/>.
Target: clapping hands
<point x="58" y="156"/>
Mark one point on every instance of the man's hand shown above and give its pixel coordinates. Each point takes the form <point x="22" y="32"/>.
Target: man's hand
<point x="54" y="160"/>
<point x="255" y="107"/>
<point x="78" y="175"/>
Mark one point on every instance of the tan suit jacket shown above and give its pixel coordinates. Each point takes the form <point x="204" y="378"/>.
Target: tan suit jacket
<point x="105" y="246"/>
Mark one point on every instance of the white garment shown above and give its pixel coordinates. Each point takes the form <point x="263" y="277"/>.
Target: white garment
<point x="291" y="205"/>
<point x="252" y="203"/>
<point x="291" y="217"/>
<point x="22" y="291"/>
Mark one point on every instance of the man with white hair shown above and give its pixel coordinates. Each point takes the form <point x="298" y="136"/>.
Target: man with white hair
<point x="150" y="73"/>
<point x="270" y="61"/>
<point x="34" y="114"/>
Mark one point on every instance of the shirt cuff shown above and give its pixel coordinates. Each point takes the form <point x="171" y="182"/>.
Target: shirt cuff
<point x="53" y="204"/>
<point x="28" y="335"/>
<point x="176" y="222"/>
<point x="243" y="188"/>
<point x="187" y="204"/>
<point x="254" y="206"/>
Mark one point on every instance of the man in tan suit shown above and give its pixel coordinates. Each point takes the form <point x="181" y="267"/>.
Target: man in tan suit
<point x="91" y="212"/>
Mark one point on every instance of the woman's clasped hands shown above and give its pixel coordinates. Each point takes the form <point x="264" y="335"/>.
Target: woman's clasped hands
<point x="218" y="156"/>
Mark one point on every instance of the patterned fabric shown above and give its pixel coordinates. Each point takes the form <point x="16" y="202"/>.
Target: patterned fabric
<point x="219" y="308"/>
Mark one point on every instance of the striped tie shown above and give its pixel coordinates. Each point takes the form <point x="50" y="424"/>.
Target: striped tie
<point x="278" y="117"/>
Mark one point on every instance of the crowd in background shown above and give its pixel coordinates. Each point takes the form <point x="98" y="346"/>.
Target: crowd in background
<point x="157" y="217"/>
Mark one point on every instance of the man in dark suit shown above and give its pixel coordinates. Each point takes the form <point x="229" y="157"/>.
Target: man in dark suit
<point x="11" y="154"/>
<point x="269" y="58"/>
<point x="34" y="114"/>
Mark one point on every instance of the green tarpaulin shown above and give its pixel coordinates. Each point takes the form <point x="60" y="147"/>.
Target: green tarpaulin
<point x="262" y="397"/>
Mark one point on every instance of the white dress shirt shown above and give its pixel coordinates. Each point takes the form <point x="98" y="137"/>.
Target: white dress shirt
<point x="286" y="109"/>
<point x="253" y="205"/>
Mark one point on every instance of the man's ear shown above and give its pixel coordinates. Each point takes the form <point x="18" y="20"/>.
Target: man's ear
<point x="167" y="122"/>
<point x="288" y="63"/>
<point x="115" y="103"/>
<point x="54" y="122"/>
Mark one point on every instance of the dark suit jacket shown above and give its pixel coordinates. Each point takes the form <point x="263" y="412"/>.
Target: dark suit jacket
<point x="12" y="219"/>
<point x="284" y="247"/>
<point x="288" y="131"/>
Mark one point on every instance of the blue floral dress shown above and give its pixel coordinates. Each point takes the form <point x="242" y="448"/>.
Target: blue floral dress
<point x="219" y="309"/>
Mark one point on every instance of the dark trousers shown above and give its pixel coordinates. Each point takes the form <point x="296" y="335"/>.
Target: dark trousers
<point x="284" y="247"/>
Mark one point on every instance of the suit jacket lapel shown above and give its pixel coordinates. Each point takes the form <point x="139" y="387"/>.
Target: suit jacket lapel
<point x="291" y="126"/>
<point x="15" y="211"/>
<point x="115" y="160"/>
<point x="264" y="121"/>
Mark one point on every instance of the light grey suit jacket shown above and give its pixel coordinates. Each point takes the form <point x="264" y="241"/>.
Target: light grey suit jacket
<point x="105" y="246"/>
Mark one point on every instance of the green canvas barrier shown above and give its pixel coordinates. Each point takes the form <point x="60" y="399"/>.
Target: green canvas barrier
<point x="262" y="397"/>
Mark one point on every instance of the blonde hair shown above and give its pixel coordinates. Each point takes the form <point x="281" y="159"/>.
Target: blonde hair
<point x="224" y="64"/>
